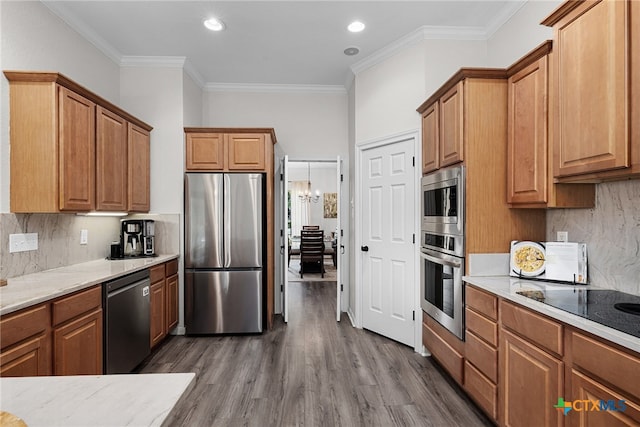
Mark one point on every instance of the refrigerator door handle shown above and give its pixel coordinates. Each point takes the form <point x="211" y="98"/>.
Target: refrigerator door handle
<point x="226" y="213"/>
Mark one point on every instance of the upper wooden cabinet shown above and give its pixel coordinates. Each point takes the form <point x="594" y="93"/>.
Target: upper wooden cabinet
<point x="111" y="161"/>
<point x="446" y="126"/>
<point x="228" y="149"/>
<point x="68" y="147"/>
<point x="139" y="169"/>
<point x="529" y="154"/>
<point x="596" y="84"/>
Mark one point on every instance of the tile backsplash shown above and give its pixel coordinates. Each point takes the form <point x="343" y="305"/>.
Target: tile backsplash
<point x="59" y="240"/>
<point x="611" y="231"/>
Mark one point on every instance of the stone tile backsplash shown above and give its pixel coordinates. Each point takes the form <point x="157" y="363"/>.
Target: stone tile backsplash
<point x="59" y="240"/>
<point x="611" y="231"/>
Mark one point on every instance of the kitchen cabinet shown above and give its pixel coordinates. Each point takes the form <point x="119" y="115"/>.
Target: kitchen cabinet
<point x="430" y="139"/>
<point x="157" y="304"/>
<point x="77" y="333"/>
<point x="111" y="161"/>
<point x="481" y="349"/>
<point x="25" y="342"/>
<point x="139" y="169"/>
<point x="529" y="153"/>
<point x="68" y="147"/>
<point x="531" y="367"/>
<point x="447" y="130"/>
<point x="445" y="347"/>
<point x="531" y="381"/>
<point x="164" y="300"/>
<point x="596" y="82"/>
<point x="602" y="371"/>
<point x="239" y="150"/>
<point x="227" y="149"/>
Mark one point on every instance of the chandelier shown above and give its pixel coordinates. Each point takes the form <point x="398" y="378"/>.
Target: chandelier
<point x="307" y="196"/>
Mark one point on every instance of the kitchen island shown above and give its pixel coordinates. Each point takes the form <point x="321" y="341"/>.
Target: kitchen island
<point x="94" y="400"/>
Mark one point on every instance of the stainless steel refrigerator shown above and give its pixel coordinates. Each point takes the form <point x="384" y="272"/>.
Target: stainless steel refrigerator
<point x="224" y="224"/>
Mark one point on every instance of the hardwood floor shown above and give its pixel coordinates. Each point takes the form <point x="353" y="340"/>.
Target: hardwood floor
<point x="312" y="371"/>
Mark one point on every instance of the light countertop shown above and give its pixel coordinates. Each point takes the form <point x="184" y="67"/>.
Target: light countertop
<point x="506" y="288"/>
<point x="31" y="289"/>
<point x="93" y="400"/>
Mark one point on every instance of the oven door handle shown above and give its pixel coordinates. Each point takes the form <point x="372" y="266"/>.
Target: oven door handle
<point x="440" y="258"/>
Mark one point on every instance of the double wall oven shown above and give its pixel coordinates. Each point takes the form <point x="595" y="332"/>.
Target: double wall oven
<point x="442" y="247"/>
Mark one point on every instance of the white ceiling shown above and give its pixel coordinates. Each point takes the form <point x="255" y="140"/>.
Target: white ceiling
<point x="273" y="42"/>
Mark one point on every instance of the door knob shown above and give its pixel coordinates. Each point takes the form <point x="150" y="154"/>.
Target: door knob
<point x="364" y="248"/>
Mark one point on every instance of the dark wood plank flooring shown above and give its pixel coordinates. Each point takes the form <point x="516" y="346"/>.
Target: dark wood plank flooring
<point x="312" y="371"/>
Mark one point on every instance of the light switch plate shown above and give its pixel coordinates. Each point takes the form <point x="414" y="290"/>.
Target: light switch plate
<point x="84" y="236"/>
<point x="562" y="236"/>
<point x="23" y="242"/>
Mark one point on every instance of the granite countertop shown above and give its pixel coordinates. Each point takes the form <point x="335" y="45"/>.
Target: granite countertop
<point x="94" y="400"/>
<point x="506" y="288"/>
<point x="30" y="289"/>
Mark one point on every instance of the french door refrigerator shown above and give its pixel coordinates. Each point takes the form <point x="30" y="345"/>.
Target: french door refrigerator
<point x="224" y="246"/>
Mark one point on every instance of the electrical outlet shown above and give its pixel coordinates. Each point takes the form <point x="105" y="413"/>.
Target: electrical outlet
<point x="562" y="236"/>
<point x="84" y="236"/>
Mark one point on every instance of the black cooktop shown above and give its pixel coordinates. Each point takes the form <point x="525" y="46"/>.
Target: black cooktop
<point x="615" y="309"/>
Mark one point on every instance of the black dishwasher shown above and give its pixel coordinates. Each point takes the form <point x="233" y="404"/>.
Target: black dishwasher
<point x="126" y="303"/>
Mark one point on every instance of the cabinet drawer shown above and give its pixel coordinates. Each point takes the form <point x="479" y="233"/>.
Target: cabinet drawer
<point x="537" y="328"/>
<point x="156" y="273"/>
<point x="23" y="324"/>
<point x="612" y="365"/>
<point x="69" y="307"/>
<point x="482" y="327"/>
<point x="446" y="355"/>
<point x="481" y="389"/>
<point x="481" y="302"/>
<point x="483" y="356"/>
<point x="171" y="268"/>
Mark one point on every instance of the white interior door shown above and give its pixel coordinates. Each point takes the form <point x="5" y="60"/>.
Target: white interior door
<point x="387" y="235"/>
<point x="338" y="240"/>
<point x="285" y="237"/>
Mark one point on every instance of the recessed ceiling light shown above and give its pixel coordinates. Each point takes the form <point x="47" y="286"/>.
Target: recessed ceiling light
<point x="350" y="51"/>
<point x="214" y="24"/>
<point x="356" y="27"/>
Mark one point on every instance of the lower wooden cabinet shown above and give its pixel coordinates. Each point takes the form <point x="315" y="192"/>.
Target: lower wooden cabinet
<point x="446" y="348"/>
<point x="78" y="346"/>
<point x="164" y="300"/>
<point x="586" y="391"/>
<point x="531" y="380"/>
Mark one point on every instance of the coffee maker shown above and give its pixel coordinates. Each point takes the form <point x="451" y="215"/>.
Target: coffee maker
<point x="131" y="237"/>
<point x="148" y="237"/>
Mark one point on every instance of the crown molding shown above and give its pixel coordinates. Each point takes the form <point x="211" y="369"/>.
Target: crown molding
<point x="274" y="88"/>
<point x="194" y="74"/>
<point x="85" y="31"/>
<point x="425" y="32"/>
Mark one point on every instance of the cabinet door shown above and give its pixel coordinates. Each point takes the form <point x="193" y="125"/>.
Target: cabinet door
<point x="172" y="302"/>
<point x="527" y="135"/>
<point x="30" y="358"/>
<point x="584" y="388"/>
<point x="139" y="169"/>
<point x="158" y="322"/>
<point x="76" y="139"/>
<point x="77" y="346"/>
<point x="111" y="161"/>
<point x="430" y="140"/>
<point x="530" y="383"/>
<point x="591" y="75"/>
<point x="451" y="126"/>
<point x="246" y="151"/>
<point x="205" y="151"/>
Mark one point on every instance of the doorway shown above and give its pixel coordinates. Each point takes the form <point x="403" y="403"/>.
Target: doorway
<point x="311" y="199"/>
